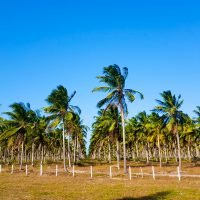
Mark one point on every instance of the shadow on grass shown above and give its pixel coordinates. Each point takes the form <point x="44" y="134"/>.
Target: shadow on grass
<point x="156" y="196"/>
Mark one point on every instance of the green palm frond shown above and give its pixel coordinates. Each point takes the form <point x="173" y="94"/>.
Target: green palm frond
<point x="102" y="89"/>
<point x="9" y="133"/>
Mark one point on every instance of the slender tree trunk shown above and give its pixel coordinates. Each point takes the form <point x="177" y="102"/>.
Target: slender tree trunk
<point x="166" y="154"/>
<point x="189" y="153"/>
<point x="99" y="153"/>
<point x="137" y="151"/>
<point x="22" y="152"/>
<point x="197" y="151"/>
<point x="175" y="153"/>
<point x="32" y="155"/>
<point x="118" y="154"/>
<point x="12" y="154"/>
<point x="133" y="154"/>
<point x="25" y="155"/>
<point x="109" y="152"/>
<point x="104" y="152"/>
<point x="69" y="158"/>
<point x="179" y="150"/>
<point x="75" y="149"/>
<point x="78" y="148"/>
<point x="42" y="156"/>
<point x="18" y="153"/>
<point x="64" y="158"/>
<point x="147" y="154"/>
<point x="60" y="153"/>
<point x="159" y="150"/>
<point x="124" y="139"/>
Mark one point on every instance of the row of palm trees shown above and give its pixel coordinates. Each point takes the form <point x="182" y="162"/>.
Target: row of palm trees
<point x="147" y="137"/>
<point x="166" y="131"/>
<point x="25" y="135"/>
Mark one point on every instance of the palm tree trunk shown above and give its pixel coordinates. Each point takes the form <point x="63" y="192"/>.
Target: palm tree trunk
<point x="42" y="156"/>
<point x="32" y="155"/>
<point x="179" y="150"/>
<point x="197" y="151"/>
<point x="166" y="154"/>
<point x="99" y="153"/>
<point x="133" y="154"/>
<point x="118" y="154"/>
<point x="18" y="153"/>
<point x="124" y="139"/>
<point x="22" y="152"/>
<point x="109" y="151"/>
<point x="78" y="149"/>
<point x="147" y="155"/>
<point x="104" y="152"/>
<point x="25" y="155"/>
<point x="75" y="149"/>
<point x="137" y="151"/>
<point x="69" y="158"/>
<point x="189" y="152"/>
<point x="12" y="154"/>
<point x="159" y="150"/>
<point x="64" y="158"/>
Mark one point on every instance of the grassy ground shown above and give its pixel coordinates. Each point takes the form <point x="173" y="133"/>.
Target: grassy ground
<point x="19" y="186"/>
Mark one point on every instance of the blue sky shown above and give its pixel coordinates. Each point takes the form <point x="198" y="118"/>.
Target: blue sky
<point x="47" y="43"/>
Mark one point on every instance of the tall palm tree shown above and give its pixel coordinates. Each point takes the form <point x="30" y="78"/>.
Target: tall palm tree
<point x="106" y="129"/>
<point x="132" y="129"/>
<point x="170" y="108"/>
<point x="79" y="135"/>
<point x="19" y="124"/>
<point x="157" y="124"/>
<point x="60" y="110"/>
<point x="144" y="132"/>
<point x="117" y="94"/>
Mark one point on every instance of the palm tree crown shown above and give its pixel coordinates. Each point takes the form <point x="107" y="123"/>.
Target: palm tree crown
<point x="115" y="81"/>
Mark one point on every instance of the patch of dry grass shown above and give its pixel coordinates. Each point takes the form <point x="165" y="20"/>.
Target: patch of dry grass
<point x="19" y="186"/>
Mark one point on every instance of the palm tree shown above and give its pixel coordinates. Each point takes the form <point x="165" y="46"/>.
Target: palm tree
<point x="115" y="85"/>
<point x="132" y="137"/>
<point x="19" y="124"/>
<point x="60" y="110"/>
<point x="78" y="133"/>
<point x="106" y="130"/>
<point x="79" y="137"/>
<point x="157" y="124"/>
<point x="170" y="108"/>
<point x="144" y="132"/>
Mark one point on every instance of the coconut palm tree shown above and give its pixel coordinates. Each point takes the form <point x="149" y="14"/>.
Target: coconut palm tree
<point x="170" y="106"/>
<point x="19" y="124"/>
<point x="61" y="110"/>
<point x="132" y="129"/>
<point x="107" y="128"/>
<point x="115" y="86"/>
<point x="144" y="132"/>
<point x="157" y="125"/>
<point x="78" y="133"/>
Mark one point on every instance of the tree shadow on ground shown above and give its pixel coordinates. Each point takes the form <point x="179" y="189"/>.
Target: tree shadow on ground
<point x="156" y="196"/>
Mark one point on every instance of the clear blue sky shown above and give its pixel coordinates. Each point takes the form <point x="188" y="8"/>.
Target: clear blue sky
<point x="47" y="43"/>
